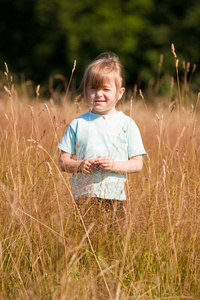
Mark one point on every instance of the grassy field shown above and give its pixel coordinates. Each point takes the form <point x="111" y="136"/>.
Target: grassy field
<point x="41" y="256"/>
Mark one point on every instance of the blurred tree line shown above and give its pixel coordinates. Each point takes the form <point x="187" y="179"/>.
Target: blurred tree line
<point x="41" y="38"/>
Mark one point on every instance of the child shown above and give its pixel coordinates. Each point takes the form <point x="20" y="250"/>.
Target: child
<point x="106" y="142"/>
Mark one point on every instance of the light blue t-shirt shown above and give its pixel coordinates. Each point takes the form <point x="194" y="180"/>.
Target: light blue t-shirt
<point x="92" y="135"/>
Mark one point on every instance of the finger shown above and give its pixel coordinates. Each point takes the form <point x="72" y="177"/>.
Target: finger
<point x="105" y="167"/>
<point x="86" y="170"/>
<point x="87" y="165"/>
<point x="103" y="161"/>
<point x="90" y="161"/>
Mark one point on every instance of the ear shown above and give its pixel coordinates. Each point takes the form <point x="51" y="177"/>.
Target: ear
<point x="121" y="92"/>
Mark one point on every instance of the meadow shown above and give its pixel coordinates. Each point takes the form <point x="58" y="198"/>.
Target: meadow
<point x="41" y="256"/>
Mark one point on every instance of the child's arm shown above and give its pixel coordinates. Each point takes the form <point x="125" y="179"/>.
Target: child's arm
<point x="68" y="164"/>
<point x="133" y="165"/>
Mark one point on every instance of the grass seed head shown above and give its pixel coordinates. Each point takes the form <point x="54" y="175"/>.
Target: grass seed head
<point x="173" y="51"/>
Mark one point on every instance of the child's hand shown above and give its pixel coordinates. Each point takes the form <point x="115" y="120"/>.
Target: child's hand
<point x="87" y="166"/>
<point x="105" y="163"/>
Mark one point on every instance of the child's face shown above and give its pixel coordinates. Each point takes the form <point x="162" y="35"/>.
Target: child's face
<point x="104" y="99"/>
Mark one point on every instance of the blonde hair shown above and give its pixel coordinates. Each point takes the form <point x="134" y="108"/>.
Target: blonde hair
<point x="101" y="69"/>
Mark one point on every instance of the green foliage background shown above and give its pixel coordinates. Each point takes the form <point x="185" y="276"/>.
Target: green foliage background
<point x="41" y="38"/>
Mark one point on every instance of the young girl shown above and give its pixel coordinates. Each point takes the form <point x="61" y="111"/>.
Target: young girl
<point x="106" y="142"/>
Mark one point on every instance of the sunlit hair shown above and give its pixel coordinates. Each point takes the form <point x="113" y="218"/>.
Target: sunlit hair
<point x="102" y="69"/>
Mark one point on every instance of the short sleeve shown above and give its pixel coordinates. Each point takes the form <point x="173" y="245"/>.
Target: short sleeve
<point x="68" y="142"/>
<point x="135" y="144"/>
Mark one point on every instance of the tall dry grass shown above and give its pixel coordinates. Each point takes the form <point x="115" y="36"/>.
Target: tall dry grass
<point x="41" y="256"/>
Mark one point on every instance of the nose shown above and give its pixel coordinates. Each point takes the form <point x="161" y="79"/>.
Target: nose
<point x="99" y="92"/>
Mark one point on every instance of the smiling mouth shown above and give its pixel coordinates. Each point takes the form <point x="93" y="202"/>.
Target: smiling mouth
<point x="100" y="101"/>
